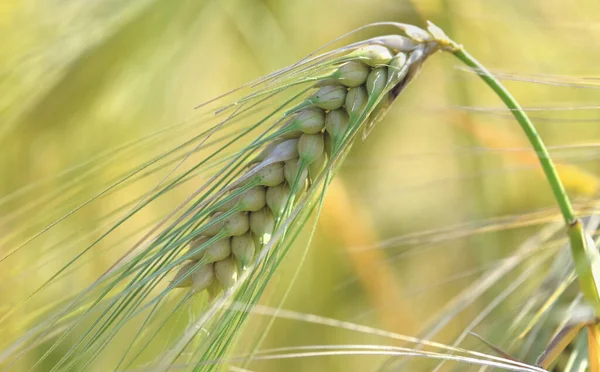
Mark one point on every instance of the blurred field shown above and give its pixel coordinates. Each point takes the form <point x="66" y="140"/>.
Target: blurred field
<point x="443" y="190"/>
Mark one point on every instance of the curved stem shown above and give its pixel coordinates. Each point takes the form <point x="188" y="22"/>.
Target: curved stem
<point x="538" y="145"/>
<point x="583" y="250"/>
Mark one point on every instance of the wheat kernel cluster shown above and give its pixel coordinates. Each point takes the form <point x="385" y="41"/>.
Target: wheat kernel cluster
<point x="286" y="168"/>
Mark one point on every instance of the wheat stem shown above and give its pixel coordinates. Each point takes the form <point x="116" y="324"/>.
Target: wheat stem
<point x="583" y="250"/>
<point x="536" y="141"/>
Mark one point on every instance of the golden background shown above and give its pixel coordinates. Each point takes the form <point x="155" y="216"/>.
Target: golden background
<point x="441" y="191"/>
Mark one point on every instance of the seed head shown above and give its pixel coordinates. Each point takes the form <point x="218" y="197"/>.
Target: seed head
<point x="327" y="81"/>
<point x="398" y="68"/>
<point x="203" y="277"/>
<point x="309" y="121"/>
<point x="291" y="170"/>
<point x="262" y="224"/>
<point x="310" y="147"/>
<point x="356" y="100"/>
<point x="216" y="251"/>
<point x="272" y="174"/>
<point x="198" y="241"/>
<point x="236" y="224"/>
<point x="353" y="74"/>
<point x="329" y="97"/>
<point x="198" y="246"/>
<point x="337" y="122"/>
<point x="249" y="200"/>
<point x="316" y="167"/>
<point x="214" y="225"/>
<point x="285" y="150"/>
<point x="397" y="43"/>
<point x="186" y="269"/>
<point x="291" y="134"/>
<point x="377" y="81"/>
<point x="252" y="200"/>
<point x="277" y="198"/>
<point x="226" y="272"/>
<point x="267" y="150"/>
<point x="242" y="248"/>
<point x="228" y="205"/>
<point x="374" y="55"/>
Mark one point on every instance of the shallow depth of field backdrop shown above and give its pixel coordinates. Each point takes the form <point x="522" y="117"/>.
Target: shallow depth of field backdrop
<point x="443" y="190"/>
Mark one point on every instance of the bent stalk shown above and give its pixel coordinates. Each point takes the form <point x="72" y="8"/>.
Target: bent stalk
<point x="583" y="252"/>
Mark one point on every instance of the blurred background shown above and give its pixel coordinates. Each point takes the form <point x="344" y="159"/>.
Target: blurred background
<point x="444" y="191"/>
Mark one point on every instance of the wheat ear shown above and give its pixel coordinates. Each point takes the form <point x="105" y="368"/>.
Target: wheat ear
<point x="319" y="127"/>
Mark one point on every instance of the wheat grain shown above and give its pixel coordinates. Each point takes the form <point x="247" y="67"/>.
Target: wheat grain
<point x="309" y="121"/>
<point x="243" y="247"/>
<point x="294" y="173"/>
<point x="329" y="97"/>
<point x="375" y="55"/>
<point x="352" y="74"/>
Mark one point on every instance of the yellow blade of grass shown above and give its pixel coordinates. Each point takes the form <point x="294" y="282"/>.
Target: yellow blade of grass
<point x="593" y="347"/>
<point x="547" y="305"/>
<point x="558" y="344"/>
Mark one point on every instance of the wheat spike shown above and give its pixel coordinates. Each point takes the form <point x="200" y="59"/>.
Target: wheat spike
<point x="289" y="164"/>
